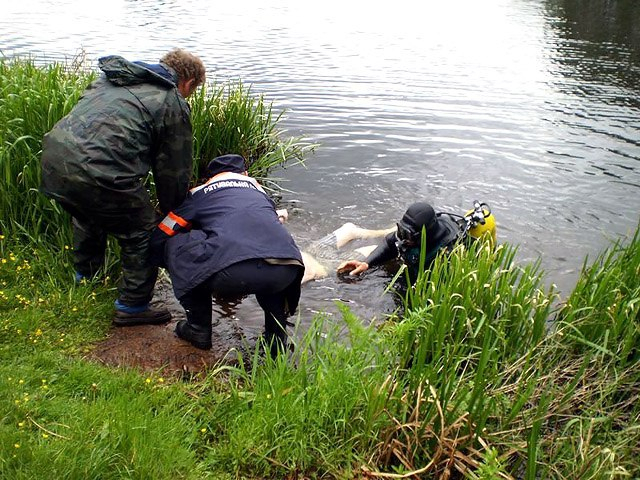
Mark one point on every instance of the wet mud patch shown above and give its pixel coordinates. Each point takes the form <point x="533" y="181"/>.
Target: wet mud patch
<point x="157" y="348"/>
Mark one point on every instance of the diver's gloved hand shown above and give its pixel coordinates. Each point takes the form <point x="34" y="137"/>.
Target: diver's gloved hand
<point x="354" y="267"/>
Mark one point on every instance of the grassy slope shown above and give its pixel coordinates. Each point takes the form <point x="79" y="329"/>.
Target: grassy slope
<point x="482" y="393"/>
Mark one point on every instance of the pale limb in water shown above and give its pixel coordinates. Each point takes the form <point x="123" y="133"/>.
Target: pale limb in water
<point x="337" y="239"/>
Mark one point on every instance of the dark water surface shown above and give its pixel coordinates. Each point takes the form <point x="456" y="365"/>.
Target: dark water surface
<point x="531" y="106"/>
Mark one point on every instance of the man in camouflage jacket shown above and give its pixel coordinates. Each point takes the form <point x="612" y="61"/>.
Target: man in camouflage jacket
<point x="132" y="120"/>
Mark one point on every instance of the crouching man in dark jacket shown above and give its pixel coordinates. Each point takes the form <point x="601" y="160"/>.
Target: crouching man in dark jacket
<point x="226" y="239"/>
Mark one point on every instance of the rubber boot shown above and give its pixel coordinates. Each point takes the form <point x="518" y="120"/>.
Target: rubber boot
<point x="150" y="316"/>
<point x="197" y="335"/>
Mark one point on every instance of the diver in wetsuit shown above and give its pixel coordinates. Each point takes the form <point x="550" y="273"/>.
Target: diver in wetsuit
<point x="442" y="231"/>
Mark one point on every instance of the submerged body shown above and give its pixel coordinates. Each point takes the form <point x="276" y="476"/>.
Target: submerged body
<point x="319" y="256"/>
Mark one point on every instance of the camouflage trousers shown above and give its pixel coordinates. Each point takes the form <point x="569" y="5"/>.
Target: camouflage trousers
<point x="89" y="247"/>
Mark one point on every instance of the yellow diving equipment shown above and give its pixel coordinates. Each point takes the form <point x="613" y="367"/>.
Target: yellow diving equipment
<point x="481" y="222"/>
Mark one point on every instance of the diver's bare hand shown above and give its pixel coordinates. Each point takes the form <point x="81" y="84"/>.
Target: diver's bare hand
<point x="354" y="267"/>
<point x="283" y="215"/>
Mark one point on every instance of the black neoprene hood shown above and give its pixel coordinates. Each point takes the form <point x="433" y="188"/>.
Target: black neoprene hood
<point x="418" y="215"/>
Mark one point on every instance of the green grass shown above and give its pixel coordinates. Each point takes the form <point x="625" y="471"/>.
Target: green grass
<point x="488" y="393"/>
<point x="434" y="392"/>
<point x="69" y="419"/>
<point x="602" y="311"/>
<point x="32" y="100"/>
<point x="64" y="417"/>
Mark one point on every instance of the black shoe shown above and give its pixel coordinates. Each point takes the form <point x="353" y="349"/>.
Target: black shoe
<point x="147" y="317"/>
<point x="275" y="343"/>
<point x="199" y="337"/>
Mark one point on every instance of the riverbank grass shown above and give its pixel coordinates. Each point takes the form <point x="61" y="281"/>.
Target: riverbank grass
<point x="466" y="383"/>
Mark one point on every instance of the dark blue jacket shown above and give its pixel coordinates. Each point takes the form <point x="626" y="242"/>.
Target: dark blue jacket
<point x="224" y="221"/>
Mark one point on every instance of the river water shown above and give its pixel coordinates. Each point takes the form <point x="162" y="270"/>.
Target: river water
<point x="529" y="105"/>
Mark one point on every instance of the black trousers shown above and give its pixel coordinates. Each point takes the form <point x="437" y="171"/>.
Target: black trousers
<point x="276" y="287"/>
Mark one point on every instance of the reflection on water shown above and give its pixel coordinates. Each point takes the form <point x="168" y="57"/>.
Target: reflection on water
<point x="529" y="106"/>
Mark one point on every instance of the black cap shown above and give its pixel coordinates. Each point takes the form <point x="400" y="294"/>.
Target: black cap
<point x="226" y="163"/>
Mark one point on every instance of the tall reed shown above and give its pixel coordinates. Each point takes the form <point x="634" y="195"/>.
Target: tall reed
<point x="229" y="119"/>
<point x="467" y="321"/>
<point x="485" y="373"/>
<point x="32" y="100"/>
<point x="226" y="119"/>
<point x="603" y="311"/>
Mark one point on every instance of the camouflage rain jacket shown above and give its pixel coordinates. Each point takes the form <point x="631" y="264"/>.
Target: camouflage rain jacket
<point x="130" y="121"/>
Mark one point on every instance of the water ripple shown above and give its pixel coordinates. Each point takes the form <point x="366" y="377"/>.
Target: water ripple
<point x="500" y="100"/>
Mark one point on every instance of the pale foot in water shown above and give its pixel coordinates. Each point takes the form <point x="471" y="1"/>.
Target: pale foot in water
<point x="365" y="251"/>
<point x="313" y="270"/>
<point x="283" y="215"/>
<point x="349" y="231"/>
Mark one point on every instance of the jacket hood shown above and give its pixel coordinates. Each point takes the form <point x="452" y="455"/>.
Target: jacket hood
<point x="122" y="72"/>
